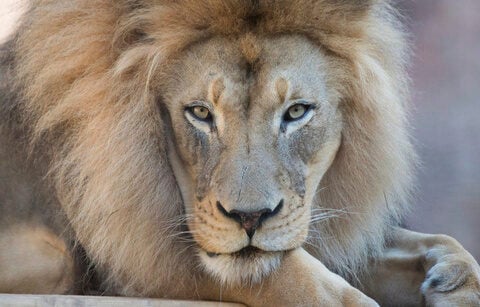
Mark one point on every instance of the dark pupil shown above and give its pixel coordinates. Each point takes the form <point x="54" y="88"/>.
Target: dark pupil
<point x="201" y="112"/>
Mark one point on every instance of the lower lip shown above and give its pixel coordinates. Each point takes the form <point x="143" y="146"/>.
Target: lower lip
<point x="248" y="251"/>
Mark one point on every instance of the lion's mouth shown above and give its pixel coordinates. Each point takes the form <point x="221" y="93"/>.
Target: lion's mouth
<point x="246" y="252"/>
<point x="249" y="264"/>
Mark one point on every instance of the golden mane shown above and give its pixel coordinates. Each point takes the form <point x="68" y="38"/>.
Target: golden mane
<point x="87" y="69"/>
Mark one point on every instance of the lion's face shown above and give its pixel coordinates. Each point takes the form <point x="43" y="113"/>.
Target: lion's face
<point x="255" y="127"/>
<point x="250" y="124"/>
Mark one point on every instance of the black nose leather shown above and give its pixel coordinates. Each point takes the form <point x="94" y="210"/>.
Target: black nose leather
<point x="250" y="221"/>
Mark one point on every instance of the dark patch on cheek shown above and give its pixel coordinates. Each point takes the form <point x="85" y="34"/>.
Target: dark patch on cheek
<point x="298" y="179"/>
<point x="301" y="147"/>
<point x="192" y="144"/>
<point x="201" y="147"/>
<point x="187" y="144"/>
<point x="307" y="144"/>
<point x="197" y="151"/>
<point x="208" y="160"/>
<point x="293" y="168"/>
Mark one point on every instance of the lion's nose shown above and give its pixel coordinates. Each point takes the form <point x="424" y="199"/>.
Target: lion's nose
<point x="250" y="221"/>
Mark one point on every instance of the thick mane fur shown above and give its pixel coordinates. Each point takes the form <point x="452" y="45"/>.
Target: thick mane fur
<point x="87" y="71"/>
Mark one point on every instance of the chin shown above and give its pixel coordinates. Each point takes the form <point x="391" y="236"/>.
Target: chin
<point x="247" y="266"/>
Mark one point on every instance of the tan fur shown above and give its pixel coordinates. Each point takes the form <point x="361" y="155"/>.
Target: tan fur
<point x="34" y="260"/>
<point x="422" y="269"/>
<point x="90" y="74"/>
<point x="85" y="80"/>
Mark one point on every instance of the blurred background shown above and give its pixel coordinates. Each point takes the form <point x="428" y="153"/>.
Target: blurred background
<point x="445" y="74"/>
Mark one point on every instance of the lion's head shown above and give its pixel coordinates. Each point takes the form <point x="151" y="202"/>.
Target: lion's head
<point x="252" y="135"/>
<point x="219" y="133"/>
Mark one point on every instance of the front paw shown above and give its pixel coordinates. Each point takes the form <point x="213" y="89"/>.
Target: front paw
<point x="300" y="280"/>
<point x="453" y="278"/>
<point x="353" y="297"/>
<point x="315" y="285"/>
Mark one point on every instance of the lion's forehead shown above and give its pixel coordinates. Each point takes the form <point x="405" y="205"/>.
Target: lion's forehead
<point x="220" y="68"/>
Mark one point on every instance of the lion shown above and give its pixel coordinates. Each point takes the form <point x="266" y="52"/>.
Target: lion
<point x="247" y="151"/>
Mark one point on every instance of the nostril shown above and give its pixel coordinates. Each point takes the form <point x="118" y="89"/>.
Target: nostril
<point x="277" y="209"/>
<point x="231" y="215"/>
<point x="221" y="209"/>
<point x="250" y="221"/>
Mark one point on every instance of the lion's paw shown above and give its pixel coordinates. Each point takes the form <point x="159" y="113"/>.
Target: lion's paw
<point x="453" y="281"/>
<point x="354" y="298"/>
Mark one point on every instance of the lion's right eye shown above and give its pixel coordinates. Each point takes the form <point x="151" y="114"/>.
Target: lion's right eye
<point x="200" y="112"/>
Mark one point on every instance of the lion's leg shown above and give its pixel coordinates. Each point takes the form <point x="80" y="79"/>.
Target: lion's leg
<point x="301" y="280"/>
<point x="418" y="269"/>
<point x="34" y="260"/>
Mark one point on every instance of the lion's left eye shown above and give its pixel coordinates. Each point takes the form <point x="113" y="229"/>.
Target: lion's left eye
<point x="296" y="112"/>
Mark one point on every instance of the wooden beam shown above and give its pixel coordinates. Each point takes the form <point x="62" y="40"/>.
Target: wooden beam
<point x="99" y="301"/>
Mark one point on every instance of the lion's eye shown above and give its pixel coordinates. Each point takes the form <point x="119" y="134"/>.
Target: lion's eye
<point x="296" y="112"/>
<point x="200" y="112"/>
